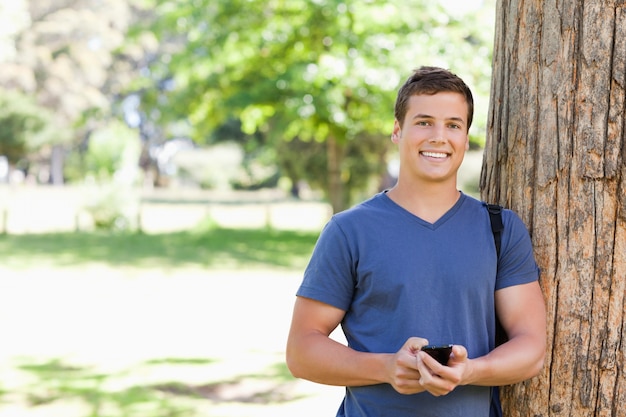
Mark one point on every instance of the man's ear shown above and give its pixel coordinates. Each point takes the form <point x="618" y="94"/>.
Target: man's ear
<point x="395" y="134"/>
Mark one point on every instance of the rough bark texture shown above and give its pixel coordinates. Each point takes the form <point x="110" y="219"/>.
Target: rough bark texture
<point x="555" y="154"/>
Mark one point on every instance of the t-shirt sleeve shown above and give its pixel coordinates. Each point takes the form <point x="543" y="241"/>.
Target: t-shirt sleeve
<point x="517" y="263"/>
<point x="329" y="275"/>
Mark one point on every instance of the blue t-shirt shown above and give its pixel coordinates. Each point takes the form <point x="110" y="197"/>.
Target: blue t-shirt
<point x="397" y="276"/>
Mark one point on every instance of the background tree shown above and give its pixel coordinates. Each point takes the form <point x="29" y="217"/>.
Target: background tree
<point x="66" y="54"/>
<point x="555" y="153"/>
<point x="24" y="126"/>
<point x="308" y="73"/>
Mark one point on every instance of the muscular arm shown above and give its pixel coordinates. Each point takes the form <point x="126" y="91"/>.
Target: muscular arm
<point x="312" y="355"/>
<point x="521" y="311"/>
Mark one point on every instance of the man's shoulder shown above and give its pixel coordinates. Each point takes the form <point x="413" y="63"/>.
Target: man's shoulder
<point x="374" y="205"/>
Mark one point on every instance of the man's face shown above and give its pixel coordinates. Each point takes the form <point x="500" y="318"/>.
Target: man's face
<point x="433" y="138"/>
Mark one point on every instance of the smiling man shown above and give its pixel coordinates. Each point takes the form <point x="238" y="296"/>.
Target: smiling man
<point x="417" y="265"/>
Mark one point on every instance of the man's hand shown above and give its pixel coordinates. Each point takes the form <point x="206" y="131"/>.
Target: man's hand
<point x="440" y="379"/>
<point x="402" y="368"/>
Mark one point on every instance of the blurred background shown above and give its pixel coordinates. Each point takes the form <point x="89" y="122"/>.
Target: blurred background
<point x="165" y="169"/>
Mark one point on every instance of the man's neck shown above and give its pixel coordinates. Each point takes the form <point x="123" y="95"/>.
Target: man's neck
<point x="428" y="203"/>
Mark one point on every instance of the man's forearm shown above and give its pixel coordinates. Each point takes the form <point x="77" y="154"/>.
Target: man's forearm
<point x="518" y="359"/>
<point x="318" y="358"/>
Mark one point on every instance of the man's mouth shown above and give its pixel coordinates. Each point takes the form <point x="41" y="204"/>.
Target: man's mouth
<point x="439" y="155"/>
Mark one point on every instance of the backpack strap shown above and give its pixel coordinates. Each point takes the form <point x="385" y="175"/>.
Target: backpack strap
<point x="497" y="226"/>
<point x="495" y="215"/>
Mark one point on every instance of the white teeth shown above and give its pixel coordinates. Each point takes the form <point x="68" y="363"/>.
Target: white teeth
<point x="434" y="154"/>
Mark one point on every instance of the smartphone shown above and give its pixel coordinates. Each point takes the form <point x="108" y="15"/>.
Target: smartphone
<point x="440" y="353"/>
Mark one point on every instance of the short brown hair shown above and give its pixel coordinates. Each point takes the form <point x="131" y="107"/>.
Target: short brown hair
<point x="428" y="81"/>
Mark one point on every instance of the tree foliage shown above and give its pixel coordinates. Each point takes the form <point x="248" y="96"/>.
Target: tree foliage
<point x="111" y="151"/>
<point x="68" y="56"/>
<point x="24" y="126"/>
<point x="305" y="76"/>
<point x="304" y="71"/>
<point x="66" y="53"/>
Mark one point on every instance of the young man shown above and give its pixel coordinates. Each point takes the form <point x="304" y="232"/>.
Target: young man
<point x="417" y="265"/>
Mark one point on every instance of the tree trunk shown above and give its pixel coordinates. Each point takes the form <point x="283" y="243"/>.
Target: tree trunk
<point x="56" y="165"/>
<point x="336" y="193"/>
<point x="555" y="154"/>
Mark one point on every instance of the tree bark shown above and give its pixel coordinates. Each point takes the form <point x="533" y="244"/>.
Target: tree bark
<point x="555" y="154"/>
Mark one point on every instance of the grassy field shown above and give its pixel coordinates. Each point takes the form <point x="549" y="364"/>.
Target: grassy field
<point x="189" y="324"/>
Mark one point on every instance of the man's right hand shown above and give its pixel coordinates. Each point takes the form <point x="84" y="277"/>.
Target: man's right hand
<point x="402" y="368"/>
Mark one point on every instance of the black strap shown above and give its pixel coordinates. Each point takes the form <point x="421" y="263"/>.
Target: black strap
<point x="497" y="226"/>
<point x="495" y="215"/>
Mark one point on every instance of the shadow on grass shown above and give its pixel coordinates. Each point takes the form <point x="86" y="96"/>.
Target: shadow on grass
<point x="57" y="382"/>
<point x="209" y="247"/>
<point x="274" y="386"/>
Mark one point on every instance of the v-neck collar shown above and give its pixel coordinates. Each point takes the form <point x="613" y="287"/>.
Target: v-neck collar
<point x="414" y="218"/>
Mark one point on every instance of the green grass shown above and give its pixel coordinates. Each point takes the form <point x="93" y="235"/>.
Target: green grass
<point x="55" y="381"/>
<point x="205" y="247"/>
<point x="155" y="387"/>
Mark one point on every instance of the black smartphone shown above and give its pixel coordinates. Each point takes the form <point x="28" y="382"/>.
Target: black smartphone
<point x="440" y="353"/>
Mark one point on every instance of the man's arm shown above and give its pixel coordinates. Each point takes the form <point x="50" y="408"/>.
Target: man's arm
<point x="521" y="310"/>
<point x="313" y="355"/>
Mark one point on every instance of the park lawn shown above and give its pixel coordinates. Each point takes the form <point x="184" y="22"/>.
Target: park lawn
<point x="209" y="247"/>
<point x="183" y="324"/>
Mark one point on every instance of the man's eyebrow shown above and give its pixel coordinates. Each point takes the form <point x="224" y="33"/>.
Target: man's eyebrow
<point x="457" y="119"/>
<point x="428" y="116"/>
